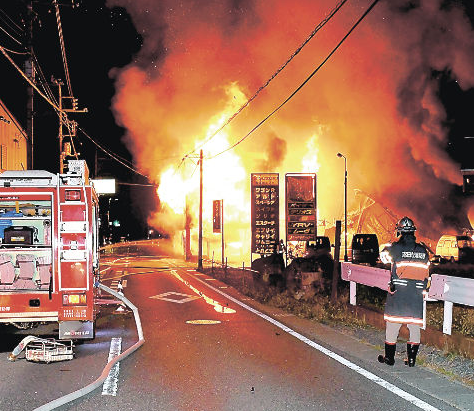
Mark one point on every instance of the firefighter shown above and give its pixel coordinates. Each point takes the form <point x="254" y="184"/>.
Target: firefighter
<point x="409" y="279"/>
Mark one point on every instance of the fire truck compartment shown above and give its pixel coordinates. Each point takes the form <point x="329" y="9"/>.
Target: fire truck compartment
<point x="22" y="269"/>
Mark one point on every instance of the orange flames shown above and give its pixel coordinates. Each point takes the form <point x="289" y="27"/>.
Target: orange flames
<point x="375" y="101"/>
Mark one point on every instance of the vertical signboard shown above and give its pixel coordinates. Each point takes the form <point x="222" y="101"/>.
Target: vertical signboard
<point x="301" y="216"/>
<point x="265" y="212"/>
<point x="216" y="216"/>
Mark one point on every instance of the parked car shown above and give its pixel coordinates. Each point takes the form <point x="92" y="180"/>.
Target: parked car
<point x="321" y="245"/>
<point x="365" y="249"/>
<point x="455" y="248"/>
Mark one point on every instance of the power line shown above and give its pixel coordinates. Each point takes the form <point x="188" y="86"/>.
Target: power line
<point x="12" y="37"/>
<point x="61" y="112"/>
<point x="42" y="78"/>
<point x="312" y="34"/>
<point x="15" y="52"/>
<point x="136" y="184"/>
<point x="302" y="84"/>
<point x="20" y="29"/>
<point x="63" y="49"/>
<point x="110" y="154"/>
<point x="3" y="50"/>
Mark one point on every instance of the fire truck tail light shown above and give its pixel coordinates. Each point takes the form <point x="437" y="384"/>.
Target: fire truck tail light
<point x="74" y="299"/>
<point x="72" y="195"/>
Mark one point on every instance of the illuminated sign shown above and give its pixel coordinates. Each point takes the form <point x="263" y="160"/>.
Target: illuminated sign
<point x="216" y="216"/>
<point x="265" y="212"/>
<point x="104" y="186"/>
<point x="301" y="216"/>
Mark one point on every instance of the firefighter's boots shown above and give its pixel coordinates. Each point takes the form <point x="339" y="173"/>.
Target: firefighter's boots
<point x="412" y="351"/>
<point x="389" y="357"/>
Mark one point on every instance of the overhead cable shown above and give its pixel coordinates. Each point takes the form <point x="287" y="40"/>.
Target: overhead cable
<point x="60" y="112"/>
<point x="20" y="29"/>
<point x="15" y="52"/>
<point x="4" y="51"/>
<point x="42" y="79"/>
<point x="312" y="34"/>
<point x="63" y="49"/>
<point x="110" y="154"/>
<point x="12" y="37"/>
<point x="301" y="85"/>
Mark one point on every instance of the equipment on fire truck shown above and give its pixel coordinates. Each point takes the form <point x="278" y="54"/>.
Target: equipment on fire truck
<point x="43" y="350"/>
<point x="49" y="250"/>
<point x="19" y="235"/>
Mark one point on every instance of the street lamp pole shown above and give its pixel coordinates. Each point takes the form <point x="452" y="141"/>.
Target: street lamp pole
<point x="345" y="206"/>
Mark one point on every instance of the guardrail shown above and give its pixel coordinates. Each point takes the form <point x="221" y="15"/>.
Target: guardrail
<point x="452" y="290"/>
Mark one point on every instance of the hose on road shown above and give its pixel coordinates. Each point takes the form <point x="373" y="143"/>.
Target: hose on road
<point x="99" y="381"/>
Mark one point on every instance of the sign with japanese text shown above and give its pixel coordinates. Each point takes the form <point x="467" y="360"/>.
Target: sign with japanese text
<point x="216" y="216"/>
<point x="301" y="216"/>
<point x="265" y="212"/>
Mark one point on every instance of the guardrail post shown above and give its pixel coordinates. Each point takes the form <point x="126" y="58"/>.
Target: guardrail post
<point x="352" y="292"/>
<point x="447" y="317"/>
<point x="424" y="314"/>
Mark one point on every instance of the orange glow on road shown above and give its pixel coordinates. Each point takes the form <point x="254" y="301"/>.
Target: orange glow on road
<point x="217" y="306"/>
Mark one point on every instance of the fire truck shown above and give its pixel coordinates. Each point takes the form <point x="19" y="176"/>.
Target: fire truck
<point x="49" y="250"/>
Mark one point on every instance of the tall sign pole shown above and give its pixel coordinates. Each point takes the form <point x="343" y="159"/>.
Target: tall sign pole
<point x="301" y="207"/>
<point x="222" y="230"/>
<point x="200" y="214"/>
<point x="265" y="213"/>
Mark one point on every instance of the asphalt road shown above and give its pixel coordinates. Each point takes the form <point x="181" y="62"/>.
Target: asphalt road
<point x="209" y="348"/>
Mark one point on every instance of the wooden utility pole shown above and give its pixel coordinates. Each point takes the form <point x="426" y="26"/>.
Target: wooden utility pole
<point x="200" y="214"/>
<point x="187" y="230"/>
<point x="30" y="72"/>
<point x="64" y="121"/>
<point x="60" y="134"/>
<point x="336" y="271"/>
<point x="222" y="230"/>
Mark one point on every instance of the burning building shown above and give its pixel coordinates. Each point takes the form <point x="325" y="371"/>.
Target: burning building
<point x="376" y="100"/>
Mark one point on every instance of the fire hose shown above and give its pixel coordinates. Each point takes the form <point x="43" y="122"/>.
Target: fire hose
<point x="100" y="380"/>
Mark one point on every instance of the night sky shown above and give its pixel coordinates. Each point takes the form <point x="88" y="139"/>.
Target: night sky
<point x="97" y="39"/>
<point x="102" y="40"/>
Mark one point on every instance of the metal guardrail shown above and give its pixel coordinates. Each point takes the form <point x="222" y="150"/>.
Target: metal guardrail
<point x="452" y="290"/>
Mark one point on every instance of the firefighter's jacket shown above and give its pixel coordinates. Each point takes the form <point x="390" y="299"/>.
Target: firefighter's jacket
<point x="409" y="275"/>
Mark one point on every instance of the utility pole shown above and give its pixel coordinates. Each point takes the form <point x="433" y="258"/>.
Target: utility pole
<point x="222" y="230"/>
<point x="59" y="83"/>
<point x="200" y="213"/>
<point x="65" y="149"/>
<point x="30" y="72"/>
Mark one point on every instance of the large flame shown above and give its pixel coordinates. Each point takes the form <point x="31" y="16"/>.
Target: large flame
<point x="375" y="100"/>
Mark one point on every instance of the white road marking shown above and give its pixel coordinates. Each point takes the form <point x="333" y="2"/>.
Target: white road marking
<point x="203" y="322"/>
<point x="175" y="300"/>
<point x="367" y="374"/>
<point x="111" y="382"/>
<point x="217" y="306"/>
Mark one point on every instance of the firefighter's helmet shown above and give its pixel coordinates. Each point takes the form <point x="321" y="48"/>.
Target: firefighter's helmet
<point x="405" y="225"/>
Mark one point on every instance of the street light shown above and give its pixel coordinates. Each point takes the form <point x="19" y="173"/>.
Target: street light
<point x="345" y="205"/>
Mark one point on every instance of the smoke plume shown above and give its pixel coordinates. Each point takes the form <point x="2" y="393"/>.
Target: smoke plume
<point x="376" y="100"/>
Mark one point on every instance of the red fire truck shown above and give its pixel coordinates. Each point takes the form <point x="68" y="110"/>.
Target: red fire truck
<point x="49" y="250"/>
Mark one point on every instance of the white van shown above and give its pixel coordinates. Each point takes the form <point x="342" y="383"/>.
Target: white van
<point x="458" y="248"/>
